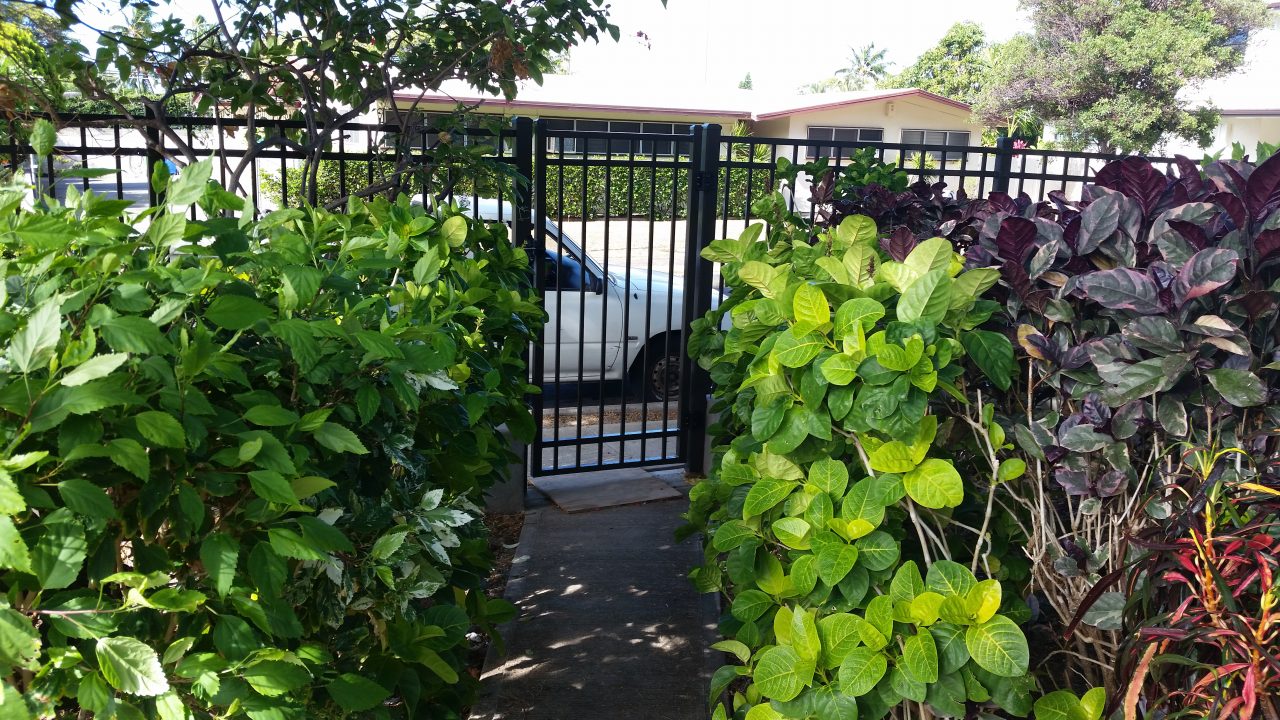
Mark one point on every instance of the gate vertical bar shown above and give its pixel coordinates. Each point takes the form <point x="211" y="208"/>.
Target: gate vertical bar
<point x="153" y="156"/>
<point x="695" y="384"/>
<point x="537" y="196"/>
<point x="522" y="236"/>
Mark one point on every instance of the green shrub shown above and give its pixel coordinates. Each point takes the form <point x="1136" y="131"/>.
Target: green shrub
<point x="849" y="514"/>
<point x="243" y="460"/>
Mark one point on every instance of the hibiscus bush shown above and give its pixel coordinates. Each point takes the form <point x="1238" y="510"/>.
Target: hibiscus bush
<point x="243" y="459"/>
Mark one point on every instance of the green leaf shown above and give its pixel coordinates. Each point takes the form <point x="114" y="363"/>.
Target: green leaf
<point x="339" y="439"/>
<point x="765" y="494"/>
<point x="190" y="184"/>
<point x="935" y="484"/>
<point x="863" y="312"/>
<point x="133" y="334"/>
<point x="272" y="487"/>
<point x="804" y="635"/>
<point x="793" y="350"/>
<point x="19" y="642"/>
<point x="43" y="137"/>
<point x="60" y="552"/>
<point x="781" y="674"/>
<point x="236" y="312"/>
<point x="749" y="605"/>
<point x="952" y="652"/>
<point x="354" y="693"/>
<point x="131" y="667"/>
<point x="998" y="646"/>
<point x="1238" y="387"/>
<point x="390" y="542"/>
<point x="454" y="230"/>
<point x="835" y="560"/>
<point x="861" y="671"/>
<point x="839" y="634"/>
<point x="1107" y="612"/>
<point x="792" y="532"/>
<point x="894" y="456"/>
<point x="270" y="416"/>
<point x="811" y="309"/>
<point x="85" y="498"/>
<point x="219" y="554"/>
<point x="96" y="367"/>
<point x="877" y="551"/>
<point x="992" y="352"/>
<point x="1060" y="705"/>
<point x="1094" y="703"/>
<point x="161" y="428"/>
<point x="920" y="657"/>
<point x="13" y="549"/>
<point x="949" y="578"/>
<point x="907" y="582"/>
<point x="829" y="475"/>
<point x="840" y="369"/>
<point x="927" y="299"/>
<point x="31" y="347"/>
<point x="273" y="678"/>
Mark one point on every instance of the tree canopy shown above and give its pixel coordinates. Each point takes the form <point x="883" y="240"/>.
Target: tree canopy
<point x="867" y="67"/>
<point x="955" y="67"/>
<point x="1112" y="73"/>
<point x="320" y="61"/>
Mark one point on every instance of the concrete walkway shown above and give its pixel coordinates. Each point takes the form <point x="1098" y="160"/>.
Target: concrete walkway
<point x="609" y="624"/>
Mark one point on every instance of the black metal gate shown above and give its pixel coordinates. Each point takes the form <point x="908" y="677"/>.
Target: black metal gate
<point x="614" y="216"/>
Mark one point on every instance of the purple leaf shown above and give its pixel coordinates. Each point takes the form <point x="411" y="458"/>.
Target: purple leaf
<point x="1205" y="272"/>
<point x="1123" y="289"/>
<point x="1135" y="178"/>
<point x="899" y="243"/>
<point x="1191" y="232"/>
<point x="1268" y="240"/>
<point x="1075" y="482"/>
<point x="1112" y="483"/>
<point x="1191" y="178"/>
<point x="1264" y="187"/>
<point x="1016" y="239"/>
<point x="1226" y="178"/>
<point x="1234" y="207"/>
<point x="1001" y="202"/>
<point x="1098" y="222"/>
<point x="1095" y="411"/>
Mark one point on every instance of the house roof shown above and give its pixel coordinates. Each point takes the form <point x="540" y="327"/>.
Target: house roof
<point x="570" y="92"/>
<point x="832" y="101"/>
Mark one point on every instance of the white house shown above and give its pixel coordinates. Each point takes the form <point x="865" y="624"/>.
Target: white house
<point x="1249" y="99"/>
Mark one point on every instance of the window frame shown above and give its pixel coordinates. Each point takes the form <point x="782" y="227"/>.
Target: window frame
<point x="812" y="151"/>
<point x="643" y="148"/>
<point x="936" y="155"/>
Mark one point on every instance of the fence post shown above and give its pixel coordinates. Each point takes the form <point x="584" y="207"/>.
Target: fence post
<point x="695" y="383"/>
<point x="153" y="156"/>
<point x="534" y="204"/>
<point x="522" y="186"/>
<point x="1004" y="164"/>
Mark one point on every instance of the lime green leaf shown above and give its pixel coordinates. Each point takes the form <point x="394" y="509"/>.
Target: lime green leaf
<point x="13" y="550"/>
<point x="811" y="308"/>
<point x="1060" y="705"/>
<point x="835" y="560"/>
<point x="926" y="299"/>
<point x="861" y="671"/>
<point x="999" y="647"/>
<point x="804" y="635"/>
<point x="765" y="494"/>
<point x="749" y="605"/>
<point x="781" y="674"/>
<point x="877" y="551"/>
<point x="935" y="484"/>
<point x="796" y="350"/>
<point x="31" y="348"/>
<point x="454" y="230"/>
<point x="1094" y="703"/>
<point x="840" y="369"/>
<point x="829" y="475"/>
<point x="920" y="657"/>
<point x="43" y="137"/>
<point x="863" y="312"/>
<point x="949" y="578"/>
<point x="907" y="582"/>
<point x="894" y="456"/>
<point x="983" y="600"/>
<point x="839" y="635"/>
<point x="275" y="677"/>
<point x="190" y="185"/>
<point x="131" y="667"/>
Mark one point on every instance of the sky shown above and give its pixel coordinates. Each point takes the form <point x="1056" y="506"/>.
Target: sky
<point x="782" y="43"/>
<point x="715" y="43"/>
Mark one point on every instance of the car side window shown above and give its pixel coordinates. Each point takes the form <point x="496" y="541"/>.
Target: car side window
<point x="563" y="269"/>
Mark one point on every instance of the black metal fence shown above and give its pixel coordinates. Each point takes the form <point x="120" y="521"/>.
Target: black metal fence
<point x="615" y="222"/>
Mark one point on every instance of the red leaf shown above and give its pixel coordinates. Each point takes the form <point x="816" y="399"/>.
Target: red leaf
<point x="1235" y="208"/>
<point x="1263" y="190"/>
<point x="1016" y="239"/>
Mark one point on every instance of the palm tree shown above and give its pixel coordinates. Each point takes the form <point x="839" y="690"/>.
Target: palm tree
<point x="867" y="67"/>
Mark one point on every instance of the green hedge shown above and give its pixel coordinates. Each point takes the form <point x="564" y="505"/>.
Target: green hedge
<point x="244" y="460"/>
<point x="644" y="183"/>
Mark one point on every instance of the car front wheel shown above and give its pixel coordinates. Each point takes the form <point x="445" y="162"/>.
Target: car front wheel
<point x="662" y="374"/>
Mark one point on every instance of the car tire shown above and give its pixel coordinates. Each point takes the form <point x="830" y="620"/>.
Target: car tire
<point x="661" y="373"/>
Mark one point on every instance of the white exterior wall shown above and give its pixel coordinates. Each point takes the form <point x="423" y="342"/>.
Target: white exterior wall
<point x="893" y="115"/>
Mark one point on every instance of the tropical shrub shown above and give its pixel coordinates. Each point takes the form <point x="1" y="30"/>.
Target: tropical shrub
<point x="242" y="459"/>
<point x="849" y="514"/>
<point x="1145" y="414"/>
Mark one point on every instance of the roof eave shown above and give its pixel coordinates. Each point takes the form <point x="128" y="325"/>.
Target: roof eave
<point x="874" y="98"/>
<point x="551" y="105"/>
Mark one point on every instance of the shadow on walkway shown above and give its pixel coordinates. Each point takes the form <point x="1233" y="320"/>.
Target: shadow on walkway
<point x="609" y="624"/>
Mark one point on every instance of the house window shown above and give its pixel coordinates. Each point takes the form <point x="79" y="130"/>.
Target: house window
<point x="599" y="146"/>
<point x="937" y="137"/>
<point x="824" y="135"/>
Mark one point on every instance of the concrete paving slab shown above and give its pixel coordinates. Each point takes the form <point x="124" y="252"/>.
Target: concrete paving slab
<point x="581" y="492"/>
<point x="609" y="624"/>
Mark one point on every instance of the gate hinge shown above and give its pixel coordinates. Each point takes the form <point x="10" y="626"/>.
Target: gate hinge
<point x="705" y="180"/>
